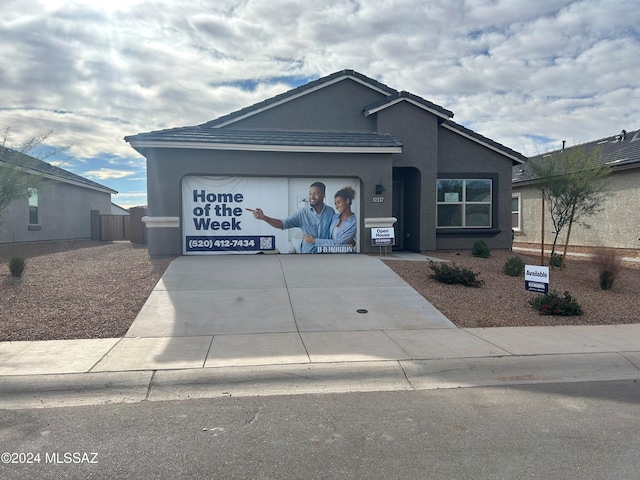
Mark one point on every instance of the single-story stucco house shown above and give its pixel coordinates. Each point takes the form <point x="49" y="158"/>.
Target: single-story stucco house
<point x="617" y="225"/>
<point x="421" y="181"/>
<point x="58" y="209"/>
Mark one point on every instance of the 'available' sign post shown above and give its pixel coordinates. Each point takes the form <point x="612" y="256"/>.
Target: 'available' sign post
<point x="536" y="279"/>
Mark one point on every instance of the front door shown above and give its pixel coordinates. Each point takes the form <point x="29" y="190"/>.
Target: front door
<point x="397" y="211"/>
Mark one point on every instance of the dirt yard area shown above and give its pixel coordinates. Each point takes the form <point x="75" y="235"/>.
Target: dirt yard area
<point x="91" y="289"/>
<point x="81" y="289"/>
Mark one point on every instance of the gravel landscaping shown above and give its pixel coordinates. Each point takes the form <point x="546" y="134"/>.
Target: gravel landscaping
<point x="502" y="301"/>
<point x="80" y="289"/>
<point x="87" y="289"/>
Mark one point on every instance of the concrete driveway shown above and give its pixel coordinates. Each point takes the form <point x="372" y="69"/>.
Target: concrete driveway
<point x="253" y="294"/>
<point x="274" y="309"/>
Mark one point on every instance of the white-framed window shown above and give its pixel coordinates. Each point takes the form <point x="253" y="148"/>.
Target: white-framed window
<point x="516" y="211"/>
<point x="464" y="203"/>
<point x="33" y="206"/>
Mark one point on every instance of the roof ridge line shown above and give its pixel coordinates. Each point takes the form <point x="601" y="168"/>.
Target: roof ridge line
<point x="293" y="93"/>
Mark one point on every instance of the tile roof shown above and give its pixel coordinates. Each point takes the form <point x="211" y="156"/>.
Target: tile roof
<point x="30" y="164"/>
<point x="223" y="138"/>
<point x="618" y="151"/>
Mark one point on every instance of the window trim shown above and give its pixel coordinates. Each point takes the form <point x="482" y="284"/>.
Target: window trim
<point x="518" y="195"/>
<point x="465" y="177"/>
<point x="33" y="192"/>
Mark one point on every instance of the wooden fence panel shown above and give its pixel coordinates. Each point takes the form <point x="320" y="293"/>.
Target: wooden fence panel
<point x="138" y="230"/>
<point x="114" y="227"/>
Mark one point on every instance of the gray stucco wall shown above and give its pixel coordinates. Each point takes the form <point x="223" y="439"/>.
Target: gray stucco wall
<point x="418" y="132"/>
<point x="616" y="226"/>
<point x="64" y="213"/>
<point x="463" y="158"/>
<point x="334" y="108"/>
<point x="167" y="167"/>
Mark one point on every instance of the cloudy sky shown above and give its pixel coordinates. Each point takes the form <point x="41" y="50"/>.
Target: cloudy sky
<point x="525" y="73"/>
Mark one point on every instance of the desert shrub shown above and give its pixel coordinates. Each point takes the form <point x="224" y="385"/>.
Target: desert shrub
<point x="554" y="304"/>
<point x="608" y="265"/>
<point x="453" y="274"/>
<point x="555" y="260"/>
<point x="606" y="278"/>
<point x="17" y="265"/>
<point x="514" y="266"/>
<point x="481" y="249"/>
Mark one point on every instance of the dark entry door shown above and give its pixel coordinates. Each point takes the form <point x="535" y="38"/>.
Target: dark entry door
<point x="406" y="207"/>
<point x="397" y="211"/>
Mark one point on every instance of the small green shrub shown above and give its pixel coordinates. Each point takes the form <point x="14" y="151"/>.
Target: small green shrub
<point x="17" y="265"/>
<point x="481" y="249"/>
<point x="453" y="274"/>
<point x="555" y="260"/>
<point x="514" y="266"/>
<point x="554" y="304"/>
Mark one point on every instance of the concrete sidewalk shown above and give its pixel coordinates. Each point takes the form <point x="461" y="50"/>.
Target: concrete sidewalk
<point x="281" y="324"/>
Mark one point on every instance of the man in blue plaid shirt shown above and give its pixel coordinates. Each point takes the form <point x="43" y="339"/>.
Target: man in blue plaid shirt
<point x="314" y="219"/>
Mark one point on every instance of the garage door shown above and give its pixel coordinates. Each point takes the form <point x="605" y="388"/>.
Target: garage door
<point x="217" y="215"/>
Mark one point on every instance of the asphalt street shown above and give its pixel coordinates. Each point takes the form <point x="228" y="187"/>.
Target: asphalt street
<point x="546" y="431"/>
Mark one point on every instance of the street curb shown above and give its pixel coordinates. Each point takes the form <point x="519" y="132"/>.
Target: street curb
<point x="46" y="391"/>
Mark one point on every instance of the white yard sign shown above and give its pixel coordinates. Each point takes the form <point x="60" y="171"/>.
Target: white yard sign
<point x="536" y="278"/>
<point x="382" y="236"/>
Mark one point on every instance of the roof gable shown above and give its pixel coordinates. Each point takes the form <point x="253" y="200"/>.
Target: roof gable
<point x="297" y="93"/>
<point x="207" y="136"/>
<point x="14" y="159"/>
<point x="409" y="98"/>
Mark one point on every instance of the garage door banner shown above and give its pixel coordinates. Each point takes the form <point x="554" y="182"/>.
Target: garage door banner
<point x="217" y="214"/>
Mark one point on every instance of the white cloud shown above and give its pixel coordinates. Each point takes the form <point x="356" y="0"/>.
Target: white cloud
<point x="512" y="70"/>
<point x="130" y="199"/>
<point x="107" y="173"/>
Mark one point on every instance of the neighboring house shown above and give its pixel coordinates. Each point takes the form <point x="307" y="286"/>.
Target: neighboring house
<point x="404" y="157"/>
<point x="59" y="209"/>
<point x="616" y="226"/>
<point x="118" y="210"/>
